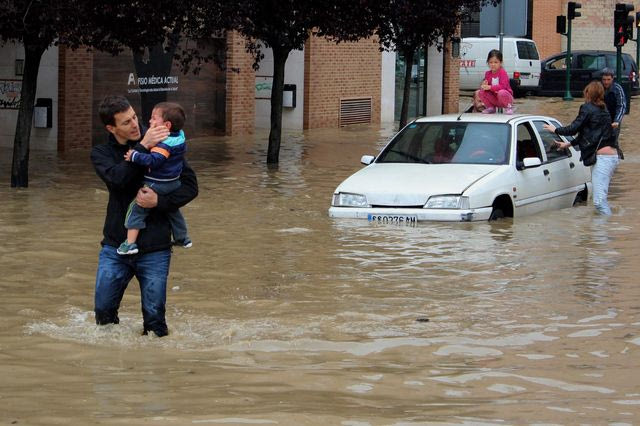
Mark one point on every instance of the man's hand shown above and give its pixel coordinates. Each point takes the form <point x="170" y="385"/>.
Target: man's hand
<point x="562" y="145"/>
<point x="127" y="156"/>
<point x="154" y="135"/>
<point x="549" y="127"/>
<point x="146" y="198"/>
<point x="615" y="124"/>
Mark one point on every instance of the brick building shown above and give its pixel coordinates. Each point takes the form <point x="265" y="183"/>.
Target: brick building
<point x="592" y="30"/>
<point x="333" y="85"/>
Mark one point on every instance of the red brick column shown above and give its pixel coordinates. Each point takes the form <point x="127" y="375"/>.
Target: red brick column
<point x="241" y="81"/>
<point x="75" y="92"/>
<point x="451" y="82"/>
<point x="544" y="26"/>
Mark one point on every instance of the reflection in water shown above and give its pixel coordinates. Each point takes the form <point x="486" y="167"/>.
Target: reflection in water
<point x="280" y="314"/>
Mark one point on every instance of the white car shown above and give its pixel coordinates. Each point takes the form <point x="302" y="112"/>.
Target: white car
<point x="465" y="167"/>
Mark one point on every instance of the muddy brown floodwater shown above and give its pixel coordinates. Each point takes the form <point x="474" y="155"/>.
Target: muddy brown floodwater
<point x="281" y="315"/>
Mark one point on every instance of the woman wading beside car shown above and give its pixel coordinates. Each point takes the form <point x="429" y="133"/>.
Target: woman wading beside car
<point x="596" y="140"/>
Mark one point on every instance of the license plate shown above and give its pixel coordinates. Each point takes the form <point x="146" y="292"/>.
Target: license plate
<point x="393" y="218"/>
<point x="525" y="76"/>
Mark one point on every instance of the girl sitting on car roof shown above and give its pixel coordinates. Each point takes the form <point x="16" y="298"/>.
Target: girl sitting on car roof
<point x="495" y="90"/>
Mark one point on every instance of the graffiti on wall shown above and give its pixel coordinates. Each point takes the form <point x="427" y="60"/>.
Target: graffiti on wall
<point x="10" y="94"/>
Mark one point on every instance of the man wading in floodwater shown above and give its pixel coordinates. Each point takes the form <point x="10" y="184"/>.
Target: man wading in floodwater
<point x="124" y="181"/>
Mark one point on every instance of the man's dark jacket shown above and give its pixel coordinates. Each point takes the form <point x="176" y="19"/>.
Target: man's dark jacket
<point x="123" y="179"/>
<point x="616" y="102"/>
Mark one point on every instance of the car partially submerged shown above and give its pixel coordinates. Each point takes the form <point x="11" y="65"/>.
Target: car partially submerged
<point x="466" y="167"/>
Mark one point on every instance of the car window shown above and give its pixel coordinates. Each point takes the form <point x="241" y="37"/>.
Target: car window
<point x="449" y="142"/>
<point x="567" y="137"/>
<point x="527" y="50"/>
<point x="611" y="61"/>
<point x="591" y="62"/>
<point x="549" y="142"/>
<point x="527" y="143"/>
<point x="557" y="64"/>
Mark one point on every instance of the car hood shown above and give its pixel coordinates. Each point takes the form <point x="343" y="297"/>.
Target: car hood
<point x="412" y="184"/>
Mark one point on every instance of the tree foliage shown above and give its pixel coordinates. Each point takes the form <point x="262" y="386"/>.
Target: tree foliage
<point x="37" y="24"/>
<point x="283" y="26"/>
<point x="108" y="26"/>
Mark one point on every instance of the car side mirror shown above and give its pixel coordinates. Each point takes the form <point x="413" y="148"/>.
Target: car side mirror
<point x="531" y="162"/>
<point x="367" y="159"/>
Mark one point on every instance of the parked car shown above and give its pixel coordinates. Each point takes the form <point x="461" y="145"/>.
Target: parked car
<point x="587" y="65"/>
<point x="520" y="60"/>
<point x="466" y="167"/>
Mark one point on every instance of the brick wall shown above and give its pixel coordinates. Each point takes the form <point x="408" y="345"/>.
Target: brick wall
<point x="75" y="92"/>
<point x="240" y="102"/>
<point x="592" y="30"/>
<point x="451" y="82"/>
<point x="544" y="26"/>
<point x="334" y="71"/>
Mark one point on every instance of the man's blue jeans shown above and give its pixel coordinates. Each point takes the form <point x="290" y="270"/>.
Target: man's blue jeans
<point x="113" y="276"/>
<point x="600" y="178"/>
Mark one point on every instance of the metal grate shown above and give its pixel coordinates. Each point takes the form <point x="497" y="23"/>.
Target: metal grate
<point x="355" y="111"/>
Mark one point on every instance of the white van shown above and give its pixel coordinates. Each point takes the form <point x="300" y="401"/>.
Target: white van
<point x="520" y="60"/>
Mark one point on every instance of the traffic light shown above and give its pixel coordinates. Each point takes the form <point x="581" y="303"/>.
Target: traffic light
<point x="628" y="28"/>
<point x="561" y="24"/>
<point x="572" y="10"/>
<point x="622" y="24"/>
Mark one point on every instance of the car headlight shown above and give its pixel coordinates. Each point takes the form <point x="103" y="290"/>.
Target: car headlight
<point x="447" y="202"/>
<point x="345" y="199"/>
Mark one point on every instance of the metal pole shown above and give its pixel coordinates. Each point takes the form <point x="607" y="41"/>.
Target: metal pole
<point x="501" y="23"/>
<point x="568" y="60"/>
<point x="637" y="47"/>
<point x="619" y="64"/>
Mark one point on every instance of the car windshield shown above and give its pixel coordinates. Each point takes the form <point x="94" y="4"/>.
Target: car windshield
<point x="449" y="142"/>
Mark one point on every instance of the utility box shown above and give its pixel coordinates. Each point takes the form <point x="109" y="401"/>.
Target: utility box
<point x="289" y="96"/>
<point x="43" y="113"/>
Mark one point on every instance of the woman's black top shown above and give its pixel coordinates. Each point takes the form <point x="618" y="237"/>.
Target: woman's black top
<point x="591" y="124"/>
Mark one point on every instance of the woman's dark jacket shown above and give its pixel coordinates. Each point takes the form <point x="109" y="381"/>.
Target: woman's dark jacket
<point x="591" y="124"/>
<point x="123" y="179"/>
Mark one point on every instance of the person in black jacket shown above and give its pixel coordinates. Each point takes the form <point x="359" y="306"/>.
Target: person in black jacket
<point x="596" y="141"/>
<point x="616" y="103"/>
<point x="124" y="183"/>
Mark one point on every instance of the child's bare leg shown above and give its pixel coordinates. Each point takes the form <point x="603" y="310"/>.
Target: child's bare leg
<point x="132" y="235"/>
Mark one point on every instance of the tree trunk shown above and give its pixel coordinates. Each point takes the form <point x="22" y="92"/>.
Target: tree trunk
<point x="20" y="165"/>
<point x="280" y="55"/>
<point x="408" y="62"/>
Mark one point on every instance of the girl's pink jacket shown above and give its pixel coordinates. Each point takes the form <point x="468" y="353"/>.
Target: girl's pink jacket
<point x="502" y="81"/>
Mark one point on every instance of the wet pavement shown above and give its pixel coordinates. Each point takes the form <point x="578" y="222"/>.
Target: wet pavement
<point x="282" y="315"/>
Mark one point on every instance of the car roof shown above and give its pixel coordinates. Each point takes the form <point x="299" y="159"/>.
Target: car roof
<point x="578" y="52"/>
<point x="480" y="118"/>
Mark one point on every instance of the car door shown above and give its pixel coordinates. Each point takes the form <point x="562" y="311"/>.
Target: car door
<point x="553" y="77"/>
<point x="587" y="67"/>
<point x="531" y="189"/>
<point x="562" y="174"/>
<point x="527" y="63"/>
